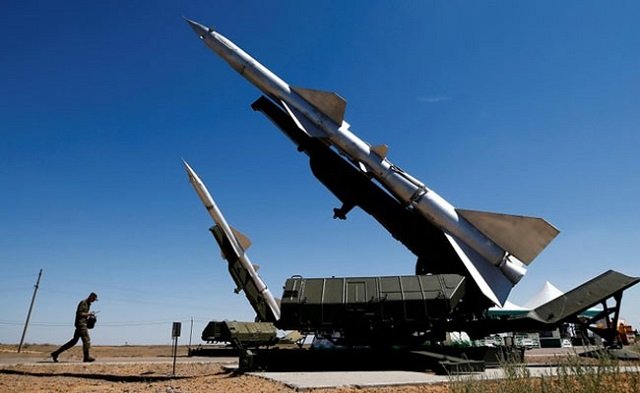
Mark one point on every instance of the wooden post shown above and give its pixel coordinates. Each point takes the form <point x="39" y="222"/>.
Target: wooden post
<point x="26" y="324"/>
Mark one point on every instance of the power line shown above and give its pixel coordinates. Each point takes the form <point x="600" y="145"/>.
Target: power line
<point x="14" y="277"/>
<point x="170" y="300"/>
<point x="104" y="324"/>
<point x="14" y="289"/>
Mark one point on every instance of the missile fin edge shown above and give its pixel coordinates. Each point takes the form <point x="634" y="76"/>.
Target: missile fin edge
<point x="490" y="280"/>
<point x="242" y="239"/>
<point x="329" y="103"/>
<point x="381" y="151"/>
<point x="522" y="236"/>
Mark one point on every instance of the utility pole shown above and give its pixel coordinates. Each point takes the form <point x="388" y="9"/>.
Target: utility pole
<point x="33" y="298"/>
<point x="190" y="334"/>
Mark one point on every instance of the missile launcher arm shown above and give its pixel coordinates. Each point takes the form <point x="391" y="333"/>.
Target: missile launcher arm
<point x="568" y="307"/>
<point x="242" y="278"/>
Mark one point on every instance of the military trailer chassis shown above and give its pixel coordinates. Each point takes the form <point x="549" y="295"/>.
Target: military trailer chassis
<point x="384" y="322"/>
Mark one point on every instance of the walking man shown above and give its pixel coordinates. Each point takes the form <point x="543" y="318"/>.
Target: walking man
<point x="82" y="330"/>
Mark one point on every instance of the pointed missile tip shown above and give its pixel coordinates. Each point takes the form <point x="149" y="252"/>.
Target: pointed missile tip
<point x="189" y="21"/>
<point x="190" y="171"/>
<point x="184" y="162"/>
<point x="197" y="27"/>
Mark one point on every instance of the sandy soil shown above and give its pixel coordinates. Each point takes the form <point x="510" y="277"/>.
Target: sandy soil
<point x="42" y="351"/>
<point x="33" y="371"/>
<point x="71" y="375"/>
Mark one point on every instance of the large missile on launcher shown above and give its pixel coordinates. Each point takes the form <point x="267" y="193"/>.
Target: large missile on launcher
<point x="493" y="248"/>
<point x="233" y="245"/>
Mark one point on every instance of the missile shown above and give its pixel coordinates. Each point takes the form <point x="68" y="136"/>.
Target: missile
<point x="494" y="248"/>
<point x="238" y="243"/>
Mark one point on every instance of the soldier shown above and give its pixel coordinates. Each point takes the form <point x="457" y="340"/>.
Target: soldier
<point x="82" y="330"/>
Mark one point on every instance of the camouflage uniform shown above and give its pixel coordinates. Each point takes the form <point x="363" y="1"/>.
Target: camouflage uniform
<point x="81" y="332"/>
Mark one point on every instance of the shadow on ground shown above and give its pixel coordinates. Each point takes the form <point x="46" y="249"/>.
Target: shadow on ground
<point x="104" y="377"/>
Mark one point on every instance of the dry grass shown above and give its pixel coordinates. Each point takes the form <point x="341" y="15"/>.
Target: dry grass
<point x="574" y="374"/>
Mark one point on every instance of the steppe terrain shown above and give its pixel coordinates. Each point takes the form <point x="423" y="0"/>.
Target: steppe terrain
<point x="144" y="369"/>
<point x="148" y="369"/>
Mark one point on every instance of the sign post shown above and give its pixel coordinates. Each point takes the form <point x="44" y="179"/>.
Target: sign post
<point x="175" y="333"/>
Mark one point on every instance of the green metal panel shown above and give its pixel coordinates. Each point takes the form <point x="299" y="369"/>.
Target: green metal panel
<point x="240" y="333"/>
<point x="368" y="302"/>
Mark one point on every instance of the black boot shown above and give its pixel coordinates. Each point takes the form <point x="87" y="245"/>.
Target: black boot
<point x="87" y="358"/>
<point x="54" y="356"/>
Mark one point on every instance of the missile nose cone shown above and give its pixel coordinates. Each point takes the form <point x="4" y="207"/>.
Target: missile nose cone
<point x="186" y="165"/>
<point x="198" y="28"/>
<point x="190" y="172"/>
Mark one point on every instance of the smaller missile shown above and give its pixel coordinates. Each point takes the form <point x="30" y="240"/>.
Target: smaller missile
<point x="238" y="243"/>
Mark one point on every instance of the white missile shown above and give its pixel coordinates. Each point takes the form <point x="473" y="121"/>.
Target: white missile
<point x="238" y="242"/>
<point x="495" y="248"/>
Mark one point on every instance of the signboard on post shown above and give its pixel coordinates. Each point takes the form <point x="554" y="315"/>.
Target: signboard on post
<point x="175" y="333"/>
<point x="175" y="330"/>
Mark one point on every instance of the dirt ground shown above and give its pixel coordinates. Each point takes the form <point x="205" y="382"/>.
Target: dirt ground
<point x="118" y="370"/>
<point x="73" y="376"/>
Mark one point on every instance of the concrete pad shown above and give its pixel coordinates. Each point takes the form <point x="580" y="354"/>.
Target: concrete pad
<point x="360" y="379"/>
<point x="334" y="379"/>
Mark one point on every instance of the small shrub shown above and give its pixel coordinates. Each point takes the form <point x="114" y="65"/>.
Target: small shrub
<point x="572" y="375"/>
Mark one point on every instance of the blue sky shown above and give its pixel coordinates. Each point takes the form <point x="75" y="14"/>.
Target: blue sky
<point x="518" y="107"/>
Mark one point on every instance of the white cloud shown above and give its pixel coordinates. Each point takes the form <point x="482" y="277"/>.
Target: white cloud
<point x="433" y="99"/>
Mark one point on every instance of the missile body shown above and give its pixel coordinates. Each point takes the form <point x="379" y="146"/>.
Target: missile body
<point x="354" y="188"/>
<point x="493" y="247"/>
<point x="237" y="254"/>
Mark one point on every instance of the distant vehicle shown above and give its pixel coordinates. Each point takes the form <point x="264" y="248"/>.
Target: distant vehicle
<point x="527" y="343"/>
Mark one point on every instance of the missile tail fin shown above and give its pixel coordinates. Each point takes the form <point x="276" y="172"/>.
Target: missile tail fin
<point x="491" y="281"/>
<point x="329" y="103"/>
<point x="381" y="151"/>
<point x="524" y="237"/>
